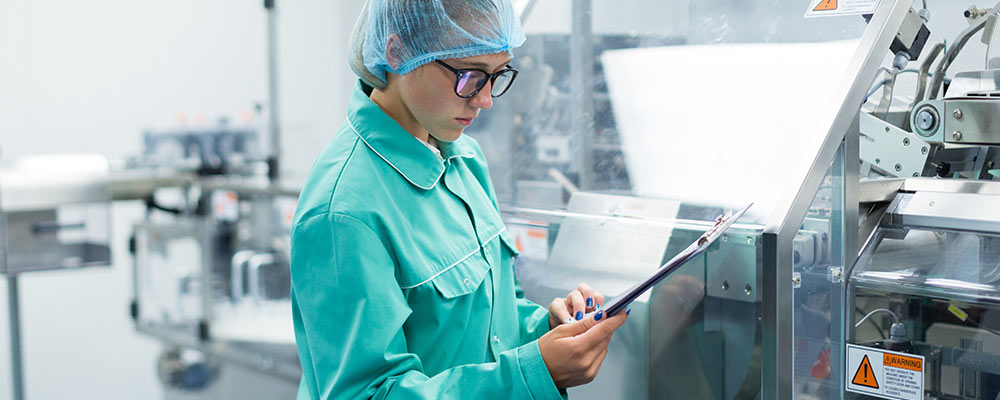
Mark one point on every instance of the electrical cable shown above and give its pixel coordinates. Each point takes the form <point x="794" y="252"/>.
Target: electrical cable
<point x="895" y="317"/>
<point x="881" y="332"/>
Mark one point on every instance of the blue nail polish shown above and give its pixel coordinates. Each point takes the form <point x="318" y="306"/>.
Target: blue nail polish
<point x="599" y="315"/>
<point x="590" y="302"/>
<point x="579" y="315"/>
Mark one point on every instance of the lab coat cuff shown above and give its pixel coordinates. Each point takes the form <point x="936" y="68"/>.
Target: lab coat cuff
<point x="536" y="374"/>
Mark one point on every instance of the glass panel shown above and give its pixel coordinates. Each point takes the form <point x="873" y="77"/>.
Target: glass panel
<point x="637" y="110"/>
<point x="679" y="337"/>
<point x="168" y="278"/>
<point x="631" y="126"/>
<point x="935" y="263"/>
<point x="256" y="305"/>
<point x="944" y="288"/>
<point x="210" y="275"/>
<point x="817" y="265"/>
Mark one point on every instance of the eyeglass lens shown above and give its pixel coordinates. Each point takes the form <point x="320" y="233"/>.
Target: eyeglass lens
<point x="471" y="81"/>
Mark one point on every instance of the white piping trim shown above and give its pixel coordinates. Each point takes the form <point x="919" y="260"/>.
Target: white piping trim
<point x="456" y="262"/>
<point x="470" y="155"/>
<point x="351" y="124"/>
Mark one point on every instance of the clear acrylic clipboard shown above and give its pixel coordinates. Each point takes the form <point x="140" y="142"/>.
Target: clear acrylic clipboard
<point x="722" y="224"/>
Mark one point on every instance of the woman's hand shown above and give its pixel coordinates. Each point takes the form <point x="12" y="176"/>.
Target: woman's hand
<point x="577" y="303"/>
<point x="573" y="352"/>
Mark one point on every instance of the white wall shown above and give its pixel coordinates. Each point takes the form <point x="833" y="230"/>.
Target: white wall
<point x="91" y="76"/>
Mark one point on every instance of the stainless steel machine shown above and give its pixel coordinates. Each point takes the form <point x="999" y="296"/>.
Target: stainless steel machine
<point x="874" y="233"/>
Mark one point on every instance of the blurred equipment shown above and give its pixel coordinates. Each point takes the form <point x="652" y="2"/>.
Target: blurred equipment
<point x="54" y="214"/>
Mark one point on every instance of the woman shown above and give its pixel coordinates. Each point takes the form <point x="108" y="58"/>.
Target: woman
<point x="402" y="272"/>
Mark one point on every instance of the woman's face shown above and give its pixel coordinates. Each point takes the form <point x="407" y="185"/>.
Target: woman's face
<point x="429" y="94"/>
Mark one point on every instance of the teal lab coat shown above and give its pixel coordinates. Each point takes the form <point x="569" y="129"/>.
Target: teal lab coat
<point x="403" y="282"/>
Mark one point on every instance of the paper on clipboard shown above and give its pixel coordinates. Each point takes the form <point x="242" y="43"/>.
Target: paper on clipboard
<point x="722" y="224"/>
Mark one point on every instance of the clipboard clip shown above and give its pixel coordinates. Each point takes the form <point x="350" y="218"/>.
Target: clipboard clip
<point x="722" y="223"/>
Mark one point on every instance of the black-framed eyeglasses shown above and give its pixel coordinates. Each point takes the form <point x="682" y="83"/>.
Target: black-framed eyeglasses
<point x="469" y="81"/>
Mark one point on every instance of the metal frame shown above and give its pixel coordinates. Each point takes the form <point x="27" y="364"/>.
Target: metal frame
<point x="582" y="88"/>
<point x="778" y="351"/>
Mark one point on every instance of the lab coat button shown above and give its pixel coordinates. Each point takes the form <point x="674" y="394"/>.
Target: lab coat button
<point x="468" y="282"/>
<point x="496" y="338"/>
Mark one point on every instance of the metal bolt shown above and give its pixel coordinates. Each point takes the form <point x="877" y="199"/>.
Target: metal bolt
<point x="906" y="141"/>
<point x="925" y="121"/>
<point x="957" y="113"/>
<point x="748" y="289"/>
<point x="887" y="129"/>
<point x="878" y="161"/>
<point x="725" y="285"/>
<point x="916" y="174"/>
<point x="797" y="281"/>
<point x="923" y="150"/>
<point x="836" y="274"/>
<point x="957" y="135"/>
<point x="899" y="167"/>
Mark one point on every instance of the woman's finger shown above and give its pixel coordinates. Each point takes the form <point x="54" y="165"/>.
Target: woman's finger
<point x="588" y="295"/>
<point x="559" y="312"/>
<point x="577" y="305"/>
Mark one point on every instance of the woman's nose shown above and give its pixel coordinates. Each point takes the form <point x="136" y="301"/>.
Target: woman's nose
<point x="483" y="99"/>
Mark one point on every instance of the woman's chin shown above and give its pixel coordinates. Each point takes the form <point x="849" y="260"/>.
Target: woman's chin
<point x="448" y="135"/>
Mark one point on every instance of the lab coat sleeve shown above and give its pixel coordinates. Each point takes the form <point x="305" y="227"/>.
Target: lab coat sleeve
<point x="533" y="318"/>
<point x="349" y="313"/>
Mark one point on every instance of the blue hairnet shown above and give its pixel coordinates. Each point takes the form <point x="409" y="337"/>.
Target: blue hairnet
<point x="430" y="30"/>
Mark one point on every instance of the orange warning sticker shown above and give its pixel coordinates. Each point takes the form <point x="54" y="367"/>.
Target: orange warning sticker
<point x="826" y="5"/>
<point x="884" y="373"/>
<point x="833" y="8"/>
<point x="865" y="375"/>
<point x="910" y="363"/>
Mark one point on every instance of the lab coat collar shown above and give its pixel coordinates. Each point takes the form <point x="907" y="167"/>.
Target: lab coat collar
<point x="384" y="136"/>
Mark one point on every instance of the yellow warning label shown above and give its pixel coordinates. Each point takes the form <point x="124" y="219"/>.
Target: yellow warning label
<point x="826" y="5"/>
<point x="910" y="363"/>
<point x="958" y="312"/>
<point x="865" y="376"/>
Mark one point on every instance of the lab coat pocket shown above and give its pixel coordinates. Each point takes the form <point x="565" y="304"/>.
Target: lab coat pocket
<point x="463" y="278"/>
<point x="508" y="241"/>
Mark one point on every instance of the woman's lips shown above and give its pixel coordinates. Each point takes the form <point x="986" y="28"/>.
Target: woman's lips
<point x="464" y="121"/>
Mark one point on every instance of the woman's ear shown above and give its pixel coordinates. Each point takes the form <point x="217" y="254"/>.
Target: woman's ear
<point x="394" y="51"/>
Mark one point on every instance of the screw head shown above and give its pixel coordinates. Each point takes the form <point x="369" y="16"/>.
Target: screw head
<point x="957" y="135"/>
<point x="725" y="285"/>
<point x="878" y="161"/>
<point x="916" y="174"/>
<point x="748" y="290"/>
<point x="923" y="150"/>
<point x="887" y="129"/>
<point x="957" y="113"/>
<point x="899" y="167"/>
<point x="906" y="141"/>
